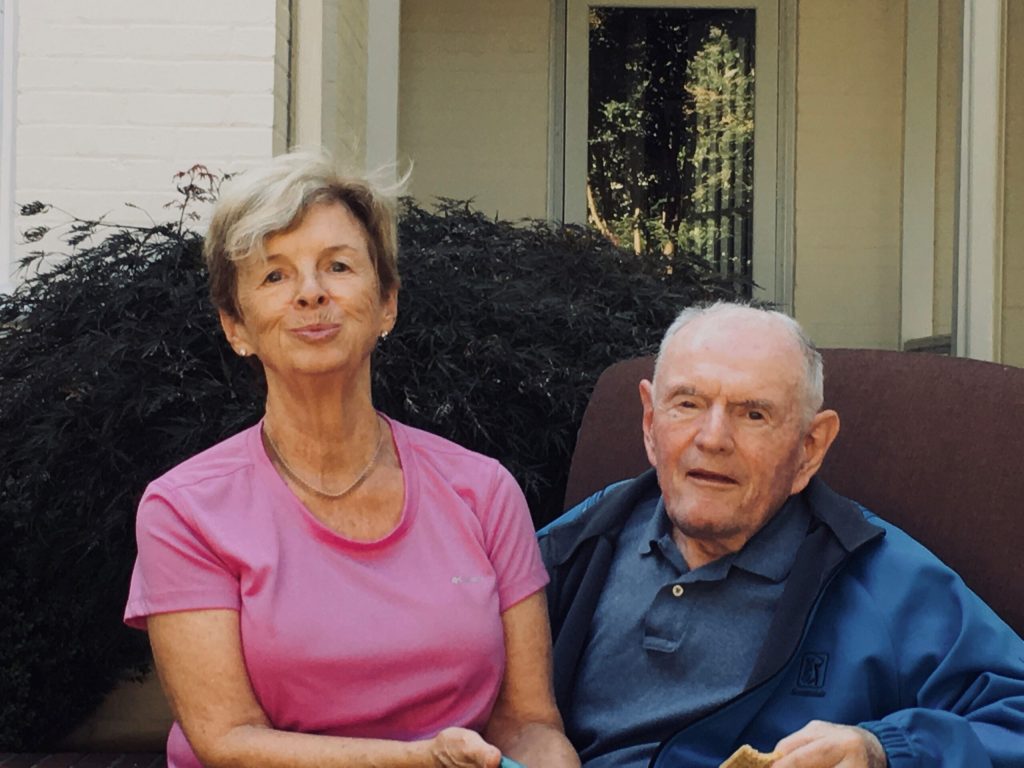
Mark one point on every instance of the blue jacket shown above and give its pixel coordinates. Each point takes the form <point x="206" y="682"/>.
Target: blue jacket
<point x="871" y="629"/>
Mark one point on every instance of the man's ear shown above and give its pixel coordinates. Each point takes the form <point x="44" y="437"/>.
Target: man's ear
<point x="819" y="436"/>
<point x="647" y="399"/>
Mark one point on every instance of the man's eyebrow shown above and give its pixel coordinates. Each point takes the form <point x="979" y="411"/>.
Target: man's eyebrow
<point x="675" y="390"/>
<point x="757" y="405"/>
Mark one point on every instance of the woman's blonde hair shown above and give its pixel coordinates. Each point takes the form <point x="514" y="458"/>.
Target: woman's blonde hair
<point x="274" y="198"/>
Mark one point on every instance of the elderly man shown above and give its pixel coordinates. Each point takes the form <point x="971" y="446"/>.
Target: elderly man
<point x="729" y="597"/>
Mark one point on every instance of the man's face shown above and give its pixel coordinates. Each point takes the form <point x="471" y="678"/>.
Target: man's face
<point x="724" y="428"/>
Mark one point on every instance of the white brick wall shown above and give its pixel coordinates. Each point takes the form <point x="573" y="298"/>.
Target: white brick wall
<point x="115" y="96"/>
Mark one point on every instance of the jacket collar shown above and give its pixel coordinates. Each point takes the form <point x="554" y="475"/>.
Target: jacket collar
<point x="843" y="517"/>
<point x="605" y="518"/>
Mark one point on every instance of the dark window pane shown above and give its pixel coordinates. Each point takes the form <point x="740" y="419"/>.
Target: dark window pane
<point x="671" y="131"/>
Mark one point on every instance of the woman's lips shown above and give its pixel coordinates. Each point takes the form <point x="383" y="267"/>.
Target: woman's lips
<point x="317" y="331"/>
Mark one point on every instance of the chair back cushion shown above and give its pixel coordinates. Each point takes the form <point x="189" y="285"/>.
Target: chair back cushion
<point x="930" y="443"/>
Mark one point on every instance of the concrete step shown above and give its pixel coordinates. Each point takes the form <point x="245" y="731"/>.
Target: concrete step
<point x="83" y="760"/>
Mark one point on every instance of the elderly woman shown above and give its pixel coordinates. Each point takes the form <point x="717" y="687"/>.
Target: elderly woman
<point x="330" y="587"/>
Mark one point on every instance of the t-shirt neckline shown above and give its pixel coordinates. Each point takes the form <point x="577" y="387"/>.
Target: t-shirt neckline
<point x="291" y="503"/>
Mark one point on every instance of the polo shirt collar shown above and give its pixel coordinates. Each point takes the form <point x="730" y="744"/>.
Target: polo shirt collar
<point x="769" y="553"/>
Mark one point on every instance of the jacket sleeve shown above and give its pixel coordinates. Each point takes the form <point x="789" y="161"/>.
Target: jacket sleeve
<point x="961" y="669"/>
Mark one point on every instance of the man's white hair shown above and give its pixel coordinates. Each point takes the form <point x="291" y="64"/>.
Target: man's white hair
<point x="814" y="369"/>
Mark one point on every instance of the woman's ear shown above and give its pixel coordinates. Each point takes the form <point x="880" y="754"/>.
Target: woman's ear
<point x="234" y="332"/>
<point x="390" y="311"/>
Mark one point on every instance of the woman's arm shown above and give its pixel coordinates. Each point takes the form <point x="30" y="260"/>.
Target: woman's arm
<point x="525" y="722"/>
<point x="198" y="656"/>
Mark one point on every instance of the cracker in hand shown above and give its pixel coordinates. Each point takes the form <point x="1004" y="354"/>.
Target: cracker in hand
<point x="748" y="757"/>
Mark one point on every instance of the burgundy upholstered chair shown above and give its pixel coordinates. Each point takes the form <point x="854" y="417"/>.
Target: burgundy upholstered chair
<point x="932" y="444"/>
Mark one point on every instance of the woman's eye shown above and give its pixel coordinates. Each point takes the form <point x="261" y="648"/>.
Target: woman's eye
<point x="274" y="277"/>
<point x="339" y="266"/>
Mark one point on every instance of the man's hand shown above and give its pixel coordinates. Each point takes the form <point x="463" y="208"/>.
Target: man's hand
<point x="463" y="748"/>
<point x="826" y="745"/>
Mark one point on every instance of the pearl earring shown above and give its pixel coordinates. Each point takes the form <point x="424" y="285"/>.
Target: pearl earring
<point x="242" y="352"/>
<point x="384" y="336"/>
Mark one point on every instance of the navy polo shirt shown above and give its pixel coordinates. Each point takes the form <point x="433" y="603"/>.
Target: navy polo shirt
<point x="668" y="644"/>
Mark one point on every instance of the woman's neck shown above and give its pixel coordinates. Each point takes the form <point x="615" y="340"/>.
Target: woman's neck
<point x="322" y="424"/>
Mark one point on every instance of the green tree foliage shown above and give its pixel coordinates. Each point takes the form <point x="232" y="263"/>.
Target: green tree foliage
<point x="113" y="369"/>
<point x="671" y="129"/>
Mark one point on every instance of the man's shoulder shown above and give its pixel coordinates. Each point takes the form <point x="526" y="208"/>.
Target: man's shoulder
<point x="855" y="524"/>
<point x="601" y="514"/>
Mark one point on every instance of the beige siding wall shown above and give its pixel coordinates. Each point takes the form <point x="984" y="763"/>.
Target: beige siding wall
<point x="849" y="170"/>
<point x="473" y="104"/>
<point x="1013" y="211"/>
<point x="115" y="96"/>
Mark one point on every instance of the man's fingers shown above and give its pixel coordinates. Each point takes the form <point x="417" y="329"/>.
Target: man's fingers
<point x="826" y="745"/>
<point x="807" y="734"/>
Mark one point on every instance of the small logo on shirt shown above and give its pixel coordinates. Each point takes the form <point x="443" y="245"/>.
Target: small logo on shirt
<point x="810" y="680"/>
<point x="467" y="579"/>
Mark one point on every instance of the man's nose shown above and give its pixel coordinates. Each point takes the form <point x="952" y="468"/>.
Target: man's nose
<point x="310" y="291"/>
<point x="715" y="433"/>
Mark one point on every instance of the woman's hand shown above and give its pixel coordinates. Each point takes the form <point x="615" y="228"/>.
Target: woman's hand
<point x="525" y="722"/>
<point x="463" y="748"/>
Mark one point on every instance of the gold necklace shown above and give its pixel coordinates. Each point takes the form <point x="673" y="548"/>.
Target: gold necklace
<point x="320" y="491"/>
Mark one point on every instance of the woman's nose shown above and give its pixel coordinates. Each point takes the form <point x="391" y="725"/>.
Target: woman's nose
<point x="310" y="291"/>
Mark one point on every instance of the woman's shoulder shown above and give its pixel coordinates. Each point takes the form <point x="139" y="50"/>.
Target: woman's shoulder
<point x="440" y="451"/>
<point x="220" y="461"/>
<point x="429" y="443"/>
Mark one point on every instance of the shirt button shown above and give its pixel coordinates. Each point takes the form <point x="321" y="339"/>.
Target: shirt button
<point x="677" y="590"/>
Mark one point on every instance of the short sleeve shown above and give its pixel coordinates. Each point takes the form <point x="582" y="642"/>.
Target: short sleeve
<point x="511" y="542"/>
<point x="177" y="568"/>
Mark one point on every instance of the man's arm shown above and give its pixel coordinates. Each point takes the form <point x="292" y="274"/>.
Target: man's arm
<point x="960" y="671"/>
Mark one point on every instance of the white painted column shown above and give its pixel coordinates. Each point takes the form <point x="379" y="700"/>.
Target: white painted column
<point x="383" y="45"/>
<point x="308" y="73"/>
<point x="979" y="252"/>
<point x="8" y="94"/>
<point x="917" y="264"/>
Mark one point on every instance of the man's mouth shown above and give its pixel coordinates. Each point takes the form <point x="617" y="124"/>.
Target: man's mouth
<point x="707" y="476"/>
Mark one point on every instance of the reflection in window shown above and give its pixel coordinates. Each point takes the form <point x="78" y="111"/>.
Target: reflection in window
<point x="671" y="132"/>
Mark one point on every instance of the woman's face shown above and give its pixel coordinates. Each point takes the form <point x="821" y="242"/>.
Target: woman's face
<point x="314" y="305"/>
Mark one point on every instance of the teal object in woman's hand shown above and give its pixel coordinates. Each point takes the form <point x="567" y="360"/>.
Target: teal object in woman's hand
<point x="507" y="762"/>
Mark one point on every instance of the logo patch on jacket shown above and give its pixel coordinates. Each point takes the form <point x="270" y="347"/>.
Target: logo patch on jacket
<point x="810" y="679"/>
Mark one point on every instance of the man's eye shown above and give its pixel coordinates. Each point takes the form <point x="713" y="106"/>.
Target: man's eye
<point x="755" y="415"/>
<point x="687" y="404"/>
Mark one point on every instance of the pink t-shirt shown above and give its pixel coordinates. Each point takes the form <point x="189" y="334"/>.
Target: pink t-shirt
<point x="396" y="638"/>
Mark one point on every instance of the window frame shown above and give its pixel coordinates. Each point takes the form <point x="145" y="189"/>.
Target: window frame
<point x="8" y="64"/>
<point x="774" y="128"/>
